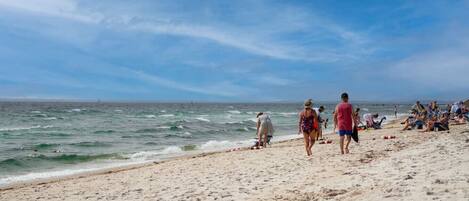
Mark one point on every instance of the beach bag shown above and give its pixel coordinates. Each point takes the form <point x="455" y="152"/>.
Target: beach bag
<point x="355" y="134"/>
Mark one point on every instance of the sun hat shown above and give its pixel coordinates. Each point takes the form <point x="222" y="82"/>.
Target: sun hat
<point x="308" y="104"/>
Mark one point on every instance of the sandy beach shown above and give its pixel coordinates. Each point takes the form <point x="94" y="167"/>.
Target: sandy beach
<point x="413" y="166"/>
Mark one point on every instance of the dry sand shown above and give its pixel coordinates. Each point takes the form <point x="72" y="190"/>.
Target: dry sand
<point x="414" y="166"/>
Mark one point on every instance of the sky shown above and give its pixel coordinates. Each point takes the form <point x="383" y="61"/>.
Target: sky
<point x="235" y="51"/>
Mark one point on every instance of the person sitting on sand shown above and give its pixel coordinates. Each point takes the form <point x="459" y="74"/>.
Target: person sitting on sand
<point x="265" y="129"/>
<point x="308" y="125"/>
<point x="433" y="110"/>
<point x="409" y="122"/>
<point x="438" y="124"/>
<point x="457" y="109"/>
<point x="371" y="123"/>
<point x="414" y="120"/>
<point x="320" y="121"/>
<point x="459" y="119"/>
<point x="343" y="120"/>
<point x="418" y="107"/>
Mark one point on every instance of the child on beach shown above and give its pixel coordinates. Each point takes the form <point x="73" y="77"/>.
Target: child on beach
<point x="343" y="120"/>
<point x="308" y="125"/>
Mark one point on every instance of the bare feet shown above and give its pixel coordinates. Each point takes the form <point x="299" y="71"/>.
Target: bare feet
<point x="346" y="151"/>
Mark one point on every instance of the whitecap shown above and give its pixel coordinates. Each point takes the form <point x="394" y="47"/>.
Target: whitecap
<point x="202" y="119"/>
<point x="23" y="128"/>
<point x="50" y="118"/>
<point x="163" y="127"/>
<point x="150" y="116"/>
<point x="35" y="112"/>
<point x="234" y="112"/>
<point x="167" y="115"/>
<point x="214" y="144"/>
<point x="171" y="150"/>
<point x="163" y="111"/>
<point x="151" y="154"/>
<point x="288" y="113"/>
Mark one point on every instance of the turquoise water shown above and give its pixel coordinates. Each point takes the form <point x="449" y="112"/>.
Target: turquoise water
<point x="47" y="139"/>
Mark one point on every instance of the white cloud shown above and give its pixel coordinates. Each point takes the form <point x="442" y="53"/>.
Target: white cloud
<point x="438" y="69"/>
<point x="56" y="8"/>
<point x="252" y="40"/>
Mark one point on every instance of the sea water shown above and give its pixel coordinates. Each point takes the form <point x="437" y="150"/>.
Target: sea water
<point x="47" y="139"/>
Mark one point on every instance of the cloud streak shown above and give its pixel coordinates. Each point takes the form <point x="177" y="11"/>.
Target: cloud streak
<point x="253" y="42"/>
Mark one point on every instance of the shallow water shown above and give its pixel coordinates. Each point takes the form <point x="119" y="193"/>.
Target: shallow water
<point x="41" y="139"/>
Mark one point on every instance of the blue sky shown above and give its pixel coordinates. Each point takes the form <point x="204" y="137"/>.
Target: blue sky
<point x="234" y="50"/>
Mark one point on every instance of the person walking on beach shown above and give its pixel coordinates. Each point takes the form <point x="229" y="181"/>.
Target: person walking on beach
<point x="343" y="120"/>
<point x="395" y="111"/>
<point x="320" y="121"/>
<point x="308" y="125"/>
<point x="265" y="129"/>
<point x="356" y="118"/>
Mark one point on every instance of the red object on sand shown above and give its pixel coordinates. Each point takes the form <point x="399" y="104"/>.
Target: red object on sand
<point x="329" y="141"/>
<point x="389" y="137"/>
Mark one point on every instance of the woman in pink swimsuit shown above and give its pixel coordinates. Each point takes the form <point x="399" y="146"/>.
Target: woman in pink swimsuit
<point x="308" y="125"/>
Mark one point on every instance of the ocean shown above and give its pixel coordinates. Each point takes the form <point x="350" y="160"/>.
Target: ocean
<point x="48" y="139"/>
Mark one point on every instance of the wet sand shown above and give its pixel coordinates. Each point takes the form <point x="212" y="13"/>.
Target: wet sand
<point x="413" y="166"/>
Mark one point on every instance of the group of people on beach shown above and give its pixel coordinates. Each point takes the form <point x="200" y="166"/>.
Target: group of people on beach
<point x="433" y="118"/>
<point x="347" y="121"/>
